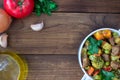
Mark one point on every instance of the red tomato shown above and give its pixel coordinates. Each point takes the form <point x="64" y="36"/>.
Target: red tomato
<point x="107" y="68"/>
<point x="19" y="8"/>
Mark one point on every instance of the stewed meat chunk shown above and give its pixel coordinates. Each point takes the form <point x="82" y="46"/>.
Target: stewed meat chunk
<point x="111" y="40"/>
<point x="115" y="65"/>
<point x="115" y="50"/>
<point x="106" y="57"/>
<point x="85" y="59"/>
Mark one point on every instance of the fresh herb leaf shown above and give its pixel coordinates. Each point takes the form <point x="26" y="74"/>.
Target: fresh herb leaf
<point x="45" y="6"/>
<point x="99" y="42"/>
<point x="94" y="44"/>
<point x="52" y="6"/>
<point x="107" y="75"/>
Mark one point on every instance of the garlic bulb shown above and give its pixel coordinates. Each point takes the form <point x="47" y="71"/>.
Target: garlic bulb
<point x="37" y="27"/>
<point x="3" y="40"/>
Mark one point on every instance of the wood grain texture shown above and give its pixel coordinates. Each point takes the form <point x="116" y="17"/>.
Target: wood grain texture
<point x="62" y="34"/>
<point x="105" y="6"/>
<point x="108" y="6"/>
<point x="51" y="54"/>
<point x="1" y="3"/>
<point x="53" y="67"/>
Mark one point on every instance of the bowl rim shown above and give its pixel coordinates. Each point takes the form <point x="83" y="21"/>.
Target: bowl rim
<point x="82" y="44"/>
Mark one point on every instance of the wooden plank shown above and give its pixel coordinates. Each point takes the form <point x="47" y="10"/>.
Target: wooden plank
<point x="53" y="67"/>
<point x="1" y="3"/>
<point x="87" y="6"/>
<point x="62" y="34"/>
<point x="107" y="6"/>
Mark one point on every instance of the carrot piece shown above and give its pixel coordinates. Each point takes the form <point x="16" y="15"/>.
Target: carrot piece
<point x="98" y="35"/>
<point x="98" y="54"/>
<point x="106" y="33"/>
<point x="90" y="71"/>
<point x="96" y="72"/>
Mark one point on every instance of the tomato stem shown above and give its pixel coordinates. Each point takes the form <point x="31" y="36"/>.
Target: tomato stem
<point x="20" y="3"/>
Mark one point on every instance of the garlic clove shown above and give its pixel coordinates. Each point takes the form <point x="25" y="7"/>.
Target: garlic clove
<point x="3" y="40"/>
<point x="37" y="27"/>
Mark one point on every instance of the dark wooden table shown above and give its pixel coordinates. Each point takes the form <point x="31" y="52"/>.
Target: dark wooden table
<point x="52" y="53"/>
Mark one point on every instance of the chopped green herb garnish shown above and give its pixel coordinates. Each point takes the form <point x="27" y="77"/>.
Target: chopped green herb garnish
<point x="94" y="44"/>
<point x="45" y="6"/>
<point x="107" y="75"/>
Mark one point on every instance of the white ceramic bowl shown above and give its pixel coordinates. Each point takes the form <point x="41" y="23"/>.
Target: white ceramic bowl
<point x="86" y="76"/>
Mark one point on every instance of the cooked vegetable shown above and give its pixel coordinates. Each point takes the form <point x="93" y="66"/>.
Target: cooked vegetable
<point x="118" y="60"/>
<point x="89" y="53"/>
<point x="107" y="51"/>
<point x="97" y="62"/>
<point x="91" y="70"/>
<point x="117" y="40"/>
<point x="97" y="55"/>
<point x="92" y="57"/>
<point x="97" y="77"/>
<point x="5" y="21"/>
<point x="113" y="58"/>
<point x="96" y="72"/>
<point x="87" y="67"/>
<point x="106" y="33"/>
<point x="107" y="68"/>
<point x="106" y="46"/>
<point x="99" y="35"/>
<point x="107" y="63"/>
<point x="115" y="78"/>
<point x="115" y="34"/>
<point x="100" y="51"/>
<point x="102" y="34"/>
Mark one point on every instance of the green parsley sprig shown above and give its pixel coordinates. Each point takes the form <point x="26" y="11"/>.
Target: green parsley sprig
<point x="94" y="45"/>
<point x="45" y="6"/>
